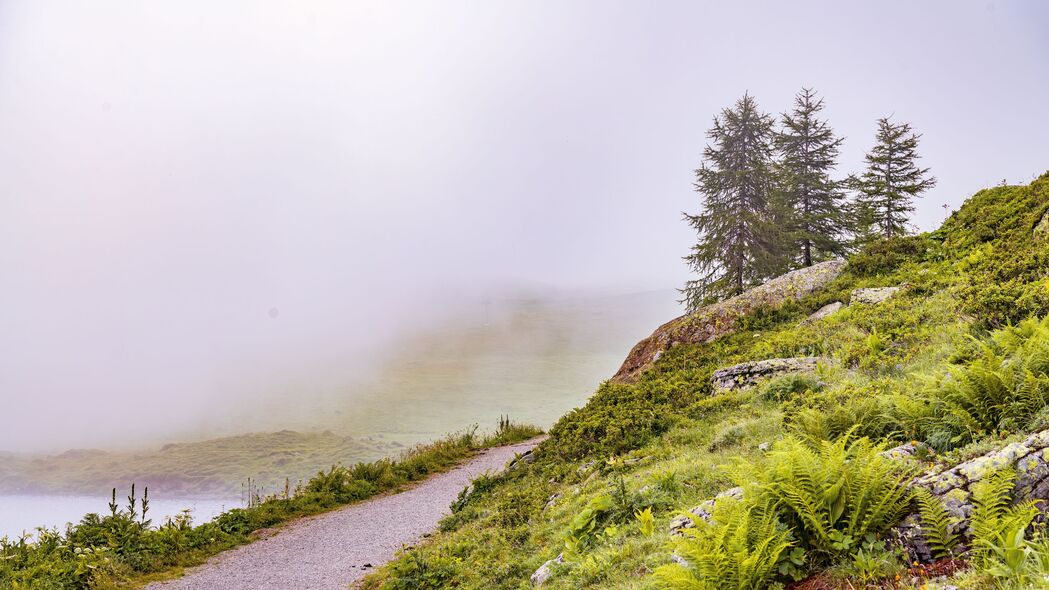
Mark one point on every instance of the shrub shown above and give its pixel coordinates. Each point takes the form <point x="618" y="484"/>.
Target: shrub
<point x="834" y="495"/>
<point x="787" y="387"/>
<point x="743" y="549"/>
<point x="1003" y="389"/>
<point x="618" y="418"/>
<point x="885" y="256"/>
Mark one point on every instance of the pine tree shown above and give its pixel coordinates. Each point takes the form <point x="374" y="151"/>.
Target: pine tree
<point x="815" y="216"/>
<point x="893" y="179"/>
<point x="737" y="246"/>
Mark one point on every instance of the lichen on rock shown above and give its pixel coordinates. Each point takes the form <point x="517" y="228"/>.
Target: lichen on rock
<point x="719" y="319"/>
<point x="874" y="295"/>
<point x="953" y="486"/>
<point x="749" y="374"/>
<point x="825" y="311"/>
<point x="703" y="511"/>
<point x="544" y="572"/>
<point x="1041" y="231"/>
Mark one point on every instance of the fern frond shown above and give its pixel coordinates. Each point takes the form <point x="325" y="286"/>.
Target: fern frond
<point x="937" y="524"/>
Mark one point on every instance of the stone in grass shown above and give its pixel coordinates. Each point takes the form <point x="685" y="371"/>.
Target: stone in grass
<point x="748" y="374"/>
<point x="544" y="572"/>
<point x="1041" y="231"/>
<point x="905" y="451"/>
<point x="874" y="295"/>
<point x="825" y="311"/>
<point x="703" y="511"/>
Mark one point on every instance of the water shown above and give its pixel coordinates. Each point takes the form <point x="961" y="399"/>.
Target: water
<point x="24" y="513"/>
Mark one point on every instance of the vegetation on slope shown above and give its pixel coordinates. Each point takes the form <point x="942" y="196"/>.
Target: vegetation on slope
<point x="124" y="547"/>
<point x="952" y="361"/>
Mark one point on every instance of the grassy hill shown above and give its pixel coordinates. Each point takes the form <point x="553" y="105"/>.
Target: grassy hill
<point x="937" y="364"/>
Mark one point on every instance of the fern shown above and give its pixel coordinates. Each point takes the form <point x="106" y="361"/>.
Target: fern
<point x="743" y="549"/>
<point x="1002" y="388"/>
<point x="999" y="530"/>
<point x="937" y="524"/>
<point x="834" y="495"/>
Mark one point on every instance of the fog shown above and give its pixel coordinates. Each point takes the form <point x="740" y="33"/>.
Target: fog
<point x="198" y="199"/>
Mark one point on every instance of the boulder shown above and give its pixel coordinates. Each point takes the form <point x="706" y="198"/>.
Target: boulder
<point x="703" y="511"/>
<point x="825" y="311"/>
<point x="874" y="295"/>
<point x="719" y="319"/>
<point x="901" y="452"/>
<point x="544" y="572"/>
<point x="1029" y="458"/>
<point x="525" y="458"/>
<point x="746" y="375"/>
<point x="1041" y="231"/>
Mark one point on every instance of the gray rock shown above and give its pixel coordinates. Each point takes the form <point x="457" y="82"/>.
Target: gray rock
<point x="953" y="486"/>
<point x="544" y="572"/>
<point x="1041" y="231"/>
<point x="748" y="374"/>
<point x="764" y="447"/>
<point x="825" y="311"/>
<point x="525" y="458"/>
<point x="874" y="295"/>
<point x="719" y="319"/>
<point x="552" y="501"/>
<point x="703" y="511"/>
<point x="901" y="452"/>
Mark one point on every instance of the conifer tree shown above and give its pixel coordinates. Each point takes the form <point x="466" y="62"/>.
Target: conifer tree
<point x="815" y="216"/>
<point x="892" y="179"/>
<point x="736" y="246"/>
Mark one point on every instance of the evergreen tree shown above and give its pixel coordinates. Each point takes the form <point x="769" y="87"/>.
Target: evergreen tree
<point x="893" y="179"/>
<point x="815" y="215"/>
<point x="736" y="247"/>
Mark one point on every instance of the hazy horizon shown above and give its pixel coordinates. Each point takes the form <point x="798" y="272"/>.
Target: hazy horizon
<point x="198" y="200"/>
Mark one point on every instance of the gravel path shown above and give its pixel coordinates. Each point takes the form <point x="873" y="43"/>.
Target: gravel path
<point x="331" y="550"/>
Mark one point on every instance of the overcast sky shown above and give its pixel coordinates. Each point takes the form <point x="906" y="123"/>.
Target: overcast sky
<point x="198" y="194"/>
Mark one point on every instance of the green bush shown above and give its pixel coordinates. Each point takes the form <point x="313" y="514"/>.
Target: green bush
<point x="618" y="418"/>
<point x="1002" y="390"/>
<point x="834" y="495"/>
<point x="744" y="548"/>
<point x="885" y="256"/>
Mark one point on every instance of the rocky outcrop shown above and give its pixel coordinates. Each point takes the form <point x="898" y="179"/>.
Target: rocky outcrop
<point x="544" y="572"/>
<point x="873" y="295"/>
<point x="953" y="486"/>
<point x="714" y="321"/>
<point x="901" y="452"/>
<point x="825" y="311"/>
<point x="1041" y="231"/>
<point x="703" y="511"/>
<point x="748" y="374"/>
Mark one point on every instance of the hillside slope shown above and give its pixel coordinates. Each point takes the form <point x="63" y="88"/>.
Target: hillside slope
<point x="933" y="363"/>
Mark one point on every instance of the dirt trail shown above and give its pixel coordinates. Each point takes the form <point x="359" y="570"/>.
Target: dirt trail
<point x="332" y="550"/>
